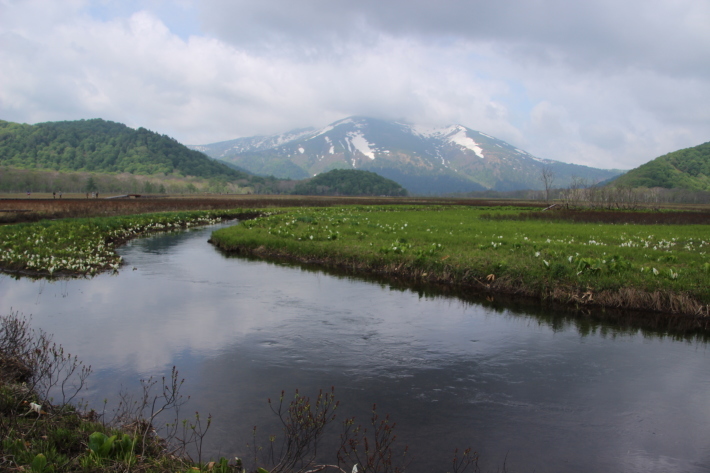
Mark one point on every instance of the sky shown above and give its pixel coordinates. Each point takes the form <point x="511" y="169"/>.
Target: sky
<point x="603" y="83"/>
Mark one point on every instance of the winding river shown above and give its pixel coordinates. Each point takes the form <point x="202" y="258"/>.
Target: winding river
<point x="531" y="391"/>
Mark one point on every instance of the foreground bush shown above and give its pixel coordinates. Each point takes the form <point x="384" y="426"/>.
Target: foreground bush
<point x="43" y="430"/>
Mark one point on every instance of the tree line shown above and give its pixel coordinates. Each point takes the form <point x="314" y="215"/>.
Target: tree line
<point x="103" y="146"/>
<point x="13" y="180"/>
<point x="683" y="169"/>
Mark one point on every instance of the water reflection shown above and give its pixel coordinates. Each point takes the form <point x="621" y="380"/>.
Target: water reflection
<point x="548" y="392"/>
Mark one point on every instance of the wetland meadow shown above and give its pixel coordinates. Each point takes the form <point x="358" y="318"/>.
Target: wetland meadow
<point x="470" y="325"/>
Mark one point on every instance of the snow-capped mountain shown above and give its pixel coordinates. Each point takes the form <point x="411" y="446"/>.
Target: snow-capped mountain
<point x="423" y="160"/>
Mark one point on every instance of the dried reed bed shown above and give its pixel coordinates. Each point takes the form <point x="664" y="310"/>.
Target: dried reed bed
<point x="22" y="209"/>
<point x="695" y="217"/>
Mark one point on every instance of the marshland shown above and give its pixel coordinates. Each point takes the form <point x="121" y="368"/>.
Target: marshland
<point x="661" y="267"/>
<point x="406" y="306"/>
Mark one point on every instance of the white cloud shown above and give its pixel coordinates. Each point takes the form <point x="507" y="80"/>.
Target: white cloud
<point x="578" y="83"/>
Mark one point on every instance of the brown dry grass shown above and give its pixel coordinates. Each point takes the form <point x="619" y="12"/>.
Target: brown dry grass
<point x="20" y="208"/>
<point x="689" y="217"/>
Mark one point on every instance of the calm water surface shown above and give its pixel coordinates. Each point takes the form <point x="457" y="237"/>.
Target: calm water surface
<point x="537" y="396"/>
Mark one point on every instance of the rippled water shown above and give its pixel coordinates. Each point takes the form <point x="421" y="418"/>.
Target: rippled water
<point x="518" y="389"/>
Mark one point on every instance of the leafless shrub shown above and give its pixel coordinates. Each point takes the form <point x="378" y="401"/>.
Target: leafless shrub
<point x="373" y="452"/>
<point x="612" y="216"/>
<point x="30" y="357"/>
<point x="547" y="177"/>
<point x="304" y="423"/>
<point x="139" y="413"/>
<point x="468" y="459"/>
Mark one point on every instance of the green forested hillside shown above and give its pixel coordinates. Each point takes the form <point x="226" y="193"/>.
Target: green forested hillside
<point x="349" y="182"/>
<point x="102" y="146"/>
<point x="684" y="169"/>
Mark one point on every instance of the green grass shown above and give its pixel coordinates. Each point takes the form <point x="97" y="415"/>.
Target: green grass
<point x="457" y="245"/>
<point x="71" y="441"/>
<point x="451" y="244"/>
<point x="86" y="246"/>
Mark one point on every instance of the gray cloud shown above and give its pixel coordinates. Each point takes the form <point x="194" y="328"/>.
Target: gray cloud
<point x="659" y="35"/>
<point x="598" y="83"/>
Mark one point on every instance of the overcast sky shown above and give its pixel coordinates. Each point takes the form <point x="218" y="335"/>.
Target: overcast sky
<point x="605" y="83"/>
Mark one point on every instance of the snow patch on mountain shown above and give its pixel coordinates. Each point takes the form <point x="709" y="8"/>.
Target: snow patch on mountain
<point x="278" y="140"/>
<point x="461" y="138"/>
<point x="456" y="134"/>
<point x="332" y="127"/>
<point x="345" y="121"/>
<point x="332" y="148"/>
<point x="426" y="131"/>
<point x="361" y="144"/>
<point x="322" y="131"/>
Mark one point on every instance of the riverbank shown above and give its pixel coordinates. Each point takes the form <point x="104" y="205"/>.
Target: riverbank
<point x="48" y="237"/>
<point x="603" y="261"/>
<point x="86" y="246"/>
<point x="42" y="430"/>
<point x="45" y="426"/>
<point x="660" y="269"/>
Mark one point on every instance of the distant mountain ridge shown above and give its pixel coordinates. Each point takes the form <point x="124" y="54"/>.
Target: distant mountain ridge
<point x="98" y="145"/>
<point x="687" y="168"/>
<point x="423" y="160"/>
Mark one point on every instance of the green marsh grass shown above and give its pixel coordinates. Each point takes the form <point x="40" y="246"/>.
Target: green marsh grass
<point x="659" y="267"/>
<point x="86" y="246"/>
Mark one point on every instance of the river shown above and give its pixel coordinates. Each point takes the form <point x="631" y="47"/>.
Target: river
<point x="526" y="389"/>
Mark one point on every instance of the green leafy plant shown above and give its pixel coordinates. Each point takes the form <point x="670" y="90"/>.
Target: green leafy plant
<point x="100" y="444"/>
<point x="117" y="447"/>
<point x="39" y="464"/>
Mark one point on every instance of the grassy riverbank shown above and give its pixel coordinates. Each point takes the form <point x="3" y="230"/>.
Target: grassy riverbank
<point x="86" y="246"/>
<point x="76" y="236"/>
<point x="662" y="268"/>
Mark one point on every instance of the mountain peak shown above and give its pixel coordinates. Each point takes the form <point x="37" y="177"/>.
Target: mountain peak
<point x="423" y="159"/>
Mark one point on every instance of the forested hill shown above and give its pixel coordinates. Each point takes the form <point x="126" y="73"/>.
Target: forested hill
<point x="349" y="182"/>
<point x="102" y="146"/>
<point x="684" y="169"/>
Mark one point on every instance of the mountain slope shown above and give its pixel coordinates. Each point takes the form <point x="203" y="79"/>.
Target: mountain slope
<point x="425" y="161"/>
<point x="683" y="169"/>
<point x="103" y="146"/>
